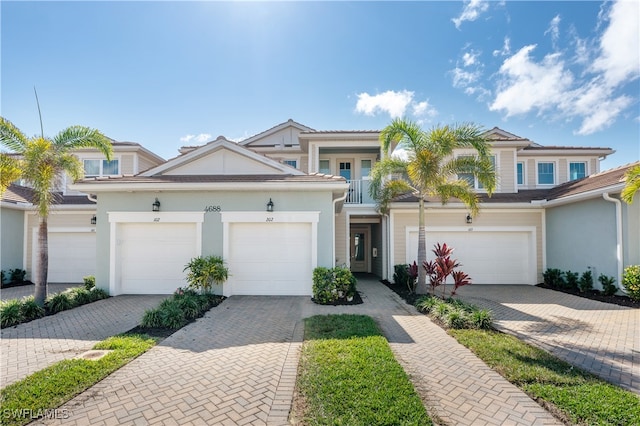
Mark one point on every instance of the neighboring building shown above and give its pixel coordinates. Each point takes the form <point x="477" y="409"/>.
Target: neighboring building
<point x="72" y="238"/>
<point x="213" y="200"/>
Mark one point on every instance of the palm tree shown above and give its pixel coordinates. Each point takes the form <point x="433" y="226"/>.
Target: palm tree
<point x="431" y="169"/>
<point x="632" y="178"/>
<point x="42" y="162"/>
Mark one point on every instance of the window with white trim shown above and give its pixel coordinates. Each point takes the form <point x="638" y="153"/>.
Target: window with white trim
<point x="546" y="173"/>
<point x="577" y="170"/>
<point x="292" y="163"/>
<point x="520" y="173"/>
<point x="469" y="177"/>
<point x="365" y="168"/>
<point x="101" y="167"/>
<point x="324" y="167"/>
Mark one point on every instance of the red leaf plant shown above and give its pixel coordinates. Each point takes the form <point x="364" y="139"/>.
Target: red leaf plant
<point x="442" y="267"/>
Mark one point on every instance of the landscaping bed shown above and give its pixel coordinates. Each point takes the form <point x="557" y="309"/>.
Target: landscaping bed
<point x="614" y="299"/>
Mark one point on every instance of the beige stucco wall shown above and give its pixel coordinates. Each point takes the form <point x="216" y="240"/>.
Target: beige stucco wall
<point x="454" y="218"/>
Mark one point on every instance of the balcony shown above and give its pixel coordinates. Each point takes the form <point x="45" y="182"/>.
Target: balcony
<point x="359" y="192"/>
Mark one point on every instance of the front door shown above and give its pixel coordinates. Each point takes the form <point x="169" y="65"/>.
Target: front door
<point x="359" y="250"/>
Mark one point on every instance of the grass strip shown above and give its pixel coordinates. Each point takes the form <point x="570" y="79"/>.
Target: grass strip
<point x="47" y="389"/>
<point x="575" y="395"/>
<point x="349" y="376"/>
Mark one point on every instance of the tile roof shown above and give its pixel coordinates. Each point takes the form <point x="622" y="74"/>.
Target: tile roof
<point x="556" y="147"/>
<point x="591" y="183"/>
<point x="16" y="194"/>
<point x="316" y="177"/>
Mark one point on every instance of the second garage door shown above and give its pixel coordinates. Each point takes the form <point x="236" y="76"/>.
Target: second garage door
<point x="490" y="257"/>
<point x="270" y="258"/>
<point x="72" y="256"/>
<point x="152" y="256"/>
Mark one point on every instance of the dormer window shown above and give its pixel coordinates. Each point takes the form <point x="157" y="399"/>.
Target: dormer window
<point x="546" y="173"/>
<point x="577" y="170"/>
<point x="93" y="168"/>
<point x="292" y="163"/>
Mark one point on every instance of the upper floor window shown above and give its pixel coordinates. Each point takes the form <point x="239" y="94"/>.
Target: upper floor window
<point x="365" y="168"/>
<point x="292" y="163"/>
<point x="520" y="173"/>
<point x="345" y="170"/>
<point x="577" y="170"/>
<point x="469" y="177"/>
<point x="325" y="167"/>
<point x="546" y="173"/>
<point x="101" y="167"/>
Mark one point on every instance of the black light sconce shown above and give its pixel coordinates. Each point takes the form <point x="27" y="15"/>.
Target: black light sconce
<point x="155" y="206"/>
<point x="469" y="218"/>
<point x="270" y="205"/>
<point x="94" y="220"/>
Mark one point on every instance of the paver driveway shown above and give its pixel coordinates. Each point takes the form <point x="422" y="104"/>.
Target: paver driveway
<point x="237" y="365"/>
<point x="598" y="337"/>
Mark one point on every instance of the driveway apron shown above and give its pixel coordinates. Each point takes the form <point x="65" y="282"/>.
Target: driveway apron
<point x="237" y="365"/>
<point x="32" y="346"/>
<point x="601" y="338"/>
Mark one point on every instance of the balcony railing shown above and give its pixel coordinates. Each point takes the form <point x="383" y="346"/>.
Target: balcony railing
<point x="359" y="192"/>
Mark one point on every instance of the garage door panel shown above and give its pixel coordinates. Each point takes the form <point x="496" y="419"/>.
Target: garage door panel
<point x="490" y="257"/>
<point x="270" y="259"/>
<point x="153" y="256"/>
<point x="72" y="256"/>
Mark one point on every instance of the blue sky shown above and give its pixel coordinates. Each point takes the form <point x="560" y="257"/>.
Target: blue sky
<point x="167" y="74"/>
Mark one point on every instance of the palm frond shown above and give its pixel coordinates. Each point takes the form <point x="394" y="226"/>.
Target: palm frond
<point x="405" y="133"/>
<point x="11" y="136"/>
<point x="75" y="137"/>
<point x="632" y="185"/>
<point x="389" y="191"/>
<point x="459" y="189"/>
<point x="10" y="171"/>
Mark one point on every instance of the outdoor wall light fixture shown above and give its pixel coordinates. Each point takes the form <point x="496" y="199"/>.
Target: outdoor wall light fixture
<point x="155" y="206"/>
<point x="469" y="218"/>
<point x="94" y="220"/>
<point x="270" y="205"/>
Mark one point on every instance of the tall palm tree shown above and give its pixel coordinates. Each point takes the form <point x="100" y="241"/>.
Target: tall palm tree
<point x="431" y="169"/>
<point x="42" y="162"/>
<point x="632" y="178"/>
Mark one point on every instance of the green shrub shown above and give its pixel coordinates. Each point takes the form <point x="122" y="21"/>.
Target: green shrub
<point x="331" y="285"/>
<point x="631" y="281"/>
<point x="10" y="313"/>
<point x="401" y="274"/>
<point x="481" y="319"/>
<point x="586" y="281"/>
<point x="59" y="302"/>
<point x="80" y="296"/>
<point x="171" y="315"/>
<point x="16" y="276"/>
<point x="30" y="309"/>
<point x="454" y="313"/>
<point x="608" y="284"/>
<point x="151" y="319"/>
<point x="571" y="280"/>
<point x="553" y="278"/>
<point x="99" y="294"/>
<point x="3" y="278"/>
<point x="456" y="318"/>
<point x="206" y="271"/>
<point x="89" y="282"/>
<point x="426" y="304"/>
<point x="189" y="305"/>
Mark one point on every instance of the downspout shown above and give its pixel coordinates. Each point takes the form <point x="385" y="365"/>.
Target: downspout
<point x="618" y="205"/>
<point x="92" y="197"/>
<point x="333" y="220"/>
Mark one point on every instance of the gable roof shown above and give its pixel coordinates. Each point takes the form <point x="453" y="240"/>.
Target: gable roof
<point x="608" y="180"/>
<point x="275" y="129"/>
<point x="200" y="154"/>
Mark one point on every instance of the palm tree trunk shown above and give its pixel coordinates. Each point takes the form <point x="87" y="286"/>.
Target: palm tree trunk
<point x="421" y="287"/>
<point x="43" y="263"/>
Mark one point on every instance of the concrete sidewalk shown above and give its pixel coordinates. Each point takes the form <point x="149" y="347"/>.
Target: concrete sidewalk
<point x="601" y="338"/>
<point x="32" y="346"/>
<point x="237" y="365"/>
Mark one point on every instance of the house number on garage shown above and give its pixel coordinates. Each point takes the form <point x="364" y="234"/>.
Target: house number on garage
<point x="216" y="209"/>
<point x="269" y="219"/>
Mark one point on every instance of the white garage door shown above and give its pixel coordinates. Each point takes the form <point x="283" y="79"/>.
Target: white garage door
<point x="72" y="255"/>
<point x="152" y="256"/>
<point x="491" y="257"/>
<point x="270" y="258"/>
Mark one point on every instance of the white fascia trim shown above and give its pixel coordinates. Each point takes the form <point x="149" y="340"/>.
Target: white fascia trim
<point x="16" y="206"/>
<point x="566" y="152"/>
<point x="162" y="217"/>
<point x="493" y="207"/>
<point x="270" y="217"/>
<point x="209" y="186"/>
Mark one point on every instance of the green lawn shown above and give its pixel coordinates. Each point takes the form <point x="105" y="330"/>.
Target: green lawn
<point x="577" y="396"/>
<point x="349" y="376"/>
<point x="49" y="388"/>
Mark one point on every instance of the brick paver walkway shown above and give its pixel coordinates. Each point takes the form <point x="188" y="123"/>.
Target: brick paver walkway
<point x="237" y="365"/>
<point x="599" y="337"/>
<point x="32" y="346"/>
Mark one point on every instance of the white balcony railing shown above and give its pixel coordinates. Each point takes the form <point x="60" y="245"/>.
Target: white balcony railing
<point x="359" y="192"/>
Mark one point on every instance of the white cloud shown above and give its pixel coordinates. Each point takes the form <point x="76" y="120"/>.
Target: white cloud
<point x="462" y="78"/>
<point x="619" y="58"/>
<point x="527" y="85"/>
<point x="393" y="103"/>
<point x="506" y="48"/>
<point x="201" y="138"/>
<point x="554" y="30"/>
<point x="470" y="58"/>
<point x="471" y="12"/>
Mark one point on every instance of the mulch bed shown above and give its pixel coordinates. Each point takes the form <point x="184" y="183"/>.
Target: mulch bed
<point x="597" y="295"/>
<point x="16" y="284"/>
